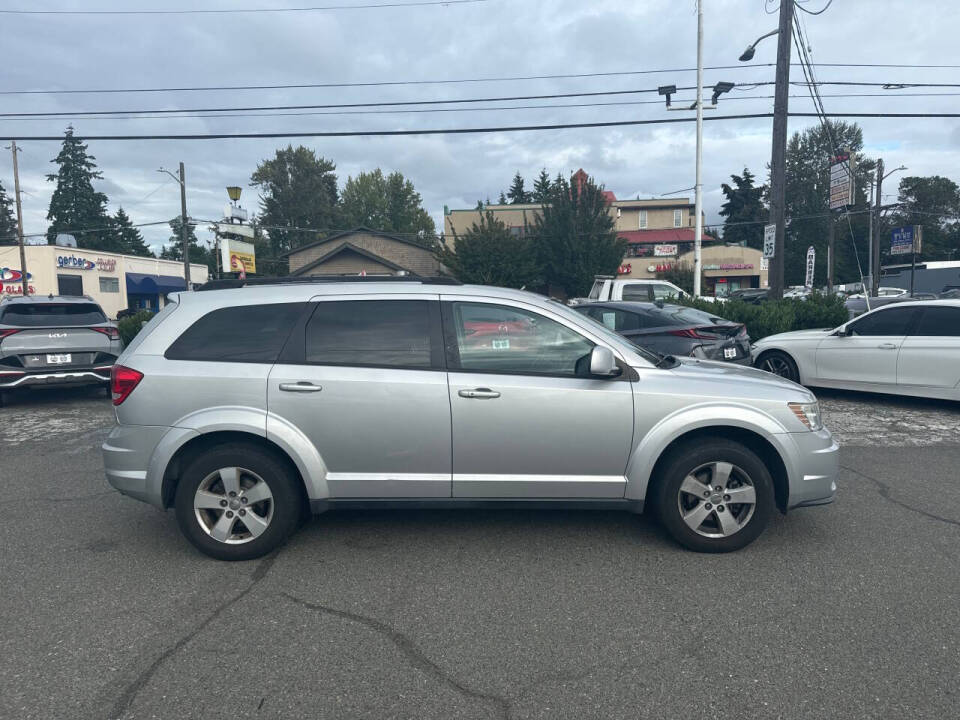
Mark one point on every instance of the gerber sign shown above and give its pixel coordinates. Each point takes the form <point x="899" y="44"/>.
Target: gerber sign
<point x="75" y="263"/>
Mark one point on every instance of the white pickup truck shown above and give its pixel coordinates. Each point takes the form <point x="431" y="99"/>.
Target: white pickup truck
<point x="608" y="288"/>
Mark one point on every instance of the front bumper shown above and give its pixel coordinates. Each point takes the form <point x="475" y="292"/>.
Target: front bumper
<point x="56" y="377"/>
<point x="818" y="465"/>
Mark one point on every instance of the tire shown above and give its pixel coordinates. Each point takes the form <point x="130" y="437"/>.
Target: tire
<point x="779" y="363"/>
<point x="726" y="525"/>
<point x="256" y="525"/>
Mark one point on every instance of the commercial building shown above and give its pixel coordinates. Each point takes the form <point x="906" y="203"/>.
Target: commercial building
<point x="725" y="268"/>
<point x="363" y="251"/>
<point x="116" y="282"/>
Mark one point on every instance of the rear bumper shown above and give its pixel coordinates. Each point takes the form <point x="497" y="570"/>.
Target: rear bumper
<point x="126" y="458"/>
<point x="57" y="377"/>
<point x="818" y="460"/>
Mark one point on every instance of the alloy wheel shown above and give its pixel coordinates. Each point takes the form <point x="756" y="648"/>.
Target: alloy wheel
<point x="233" y="505"/>
<point x="717" y="499"/>
<point x="778" y="366"/>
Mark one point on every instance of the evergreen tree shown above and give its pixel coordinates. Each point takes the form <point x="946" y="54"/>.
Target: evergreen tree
<point x="490" y="254"/>
<point x="386" y="202"/>
<point x="199" y="254"/>
<point x="75" y="207"/>
<point x="503" y="199"/>
<point x="541" y="187"/>
<point x="574" y="237"/>
<point x="744" y="204"/>
<point x="8" y="223"/>
<point x="516" y="193"/>
<point x="128" y="237"/>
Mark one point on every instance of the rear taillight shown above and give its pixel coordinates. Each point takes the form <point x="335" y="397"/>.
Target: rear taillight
<point x="697" y="333"/>
<point x="110" y="332"/>
<point x="122" y="382"/>
<point x="7" y="333"/>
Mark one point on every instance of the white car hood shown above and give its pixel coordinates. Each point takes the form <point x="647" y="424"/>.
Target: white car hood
<point x="796" y="335"/>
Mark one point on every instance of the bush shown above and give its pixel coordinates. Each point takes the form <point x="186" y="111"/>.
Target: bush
<point x="777" y="316"/>
<point x="130" y="326"/>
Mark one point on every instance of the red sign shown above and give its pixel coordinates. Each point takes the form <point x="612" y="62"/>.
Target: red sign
<point x="625" y="269"/>
<point x="18" y="290"/>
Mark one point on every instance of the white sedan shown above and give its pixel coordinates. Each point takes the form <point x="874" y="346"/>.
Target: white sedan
<point x="902" y="349"/>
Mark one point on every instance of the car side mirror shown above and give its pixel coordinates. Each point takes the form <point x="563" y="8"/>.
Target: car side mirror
<point x="602" y="362"/>
<point x="843" y="332"/>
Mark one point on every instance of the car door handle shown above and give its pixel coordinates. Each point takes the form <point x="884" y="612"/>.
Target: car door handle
<point x="479" y="393"/>
<point x="887" y="346"/>
<point x="300" y="387"/>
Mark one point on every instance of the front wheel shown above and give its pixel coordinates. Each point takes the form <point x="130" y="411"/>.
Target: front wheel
<point x="715" y="496"/>
<point x="779" y="363"/>
<point x="237" y="502"/>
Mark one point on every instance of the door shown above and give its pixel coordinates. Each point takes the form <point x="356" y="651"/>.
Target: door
<point x="930" y="355"/>
<point x="528" y="419"/>
<point x="868" y="354"/>
<point x="70" y="285"/>
<point x="364" y="381"/>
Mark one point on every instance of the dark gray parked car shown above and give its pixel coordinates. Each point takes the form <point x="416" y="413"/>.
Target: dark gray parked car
<point x="53" y="340"/>
<point x="674" y="329"/>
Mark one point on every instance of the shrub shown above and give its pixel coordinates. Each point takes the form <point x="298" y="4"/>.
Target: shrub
<point x="777" y="316"/>
<point x="130" y="326"/>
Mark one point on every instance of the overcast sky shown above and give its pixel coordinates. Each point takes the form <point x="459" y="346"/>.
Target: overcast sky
<point x="494" y="38"/>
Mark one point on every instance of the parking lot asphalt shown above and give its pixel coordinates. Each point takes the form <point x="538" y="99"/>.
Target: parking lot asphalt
<point x="848" y="610"/>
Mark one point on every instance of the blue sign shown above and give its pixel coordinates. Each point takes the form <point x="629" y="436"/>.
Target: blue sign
<point x="902" y="241"/>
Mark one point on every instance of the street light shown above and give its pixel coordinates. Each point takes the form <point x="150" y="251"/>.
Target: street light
<point x="181" y="180"/>
<point x="747" y="55"/>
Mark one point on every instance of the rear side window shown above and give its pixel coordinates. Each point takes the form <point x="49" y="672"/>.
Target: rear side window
<point x="939" y="322"/>
<point x="245" y="333"/>
<point x="636" y="292"/>
<point x="617" y="320"/>
<point x="595" y="290"/>
<point x="885" y="322"/>
<point x="376" y="333"/>
<point x="53" y="314"/>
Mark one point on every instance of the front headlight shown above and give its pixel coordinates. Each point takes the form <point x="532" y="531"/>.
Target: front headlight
<point x="808" y="414"/>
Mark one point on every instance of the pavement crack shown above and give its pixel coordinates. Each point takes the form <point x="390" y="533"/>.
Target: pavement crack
<point x="410" y="651"/>
<point x="885" y="493"/>
<point x="130" y="692"/>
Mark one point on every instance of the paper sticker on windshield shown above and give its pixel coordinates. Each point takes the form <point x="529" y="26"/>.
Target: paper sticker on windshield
<point x="501" y="344"/>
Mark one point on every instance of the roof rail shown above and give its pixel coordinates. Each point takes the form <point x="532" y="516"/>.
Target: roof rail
<point x="230" y="283"/>
<point x="604" y="277"/>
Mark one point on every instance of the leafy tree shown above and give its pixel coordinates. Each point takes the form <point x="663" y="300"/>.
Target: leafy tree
<point x="574" y="237"/>
<point x="199" y="254"/>
<point x="516" y="193"/>
<point x="541" y="187"/>
<point x="8" y="224"/>
<point x="807" y="194"/>
<point x="298" y="189"/>
<point x="490" y="254"/>
<point x="744" y="204"/>
<point x="389" y="203"/>
<point x="75" y="206"/>
<point x="679" y="275"/>
<point x="934" y="203"/>
<point x="129" y="237"/>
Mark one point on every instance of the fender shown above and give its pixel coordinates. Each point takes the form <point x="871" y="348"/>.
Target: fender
<point x="710" y="414"/>
<point x="303" y="453"/>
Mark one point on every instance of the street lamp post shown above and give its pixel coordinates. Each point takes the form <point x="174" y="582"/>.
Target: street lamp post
<point x="875" y="236"/>
<point x="184" y="229"/>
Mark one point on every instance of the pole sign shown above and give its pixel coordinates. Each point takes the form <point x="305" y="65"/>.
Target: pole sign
<point x="907" y="240"/>
<point x="769" y="241"/>
<point x="811" y="261"/>
<point x="841" y="180"/>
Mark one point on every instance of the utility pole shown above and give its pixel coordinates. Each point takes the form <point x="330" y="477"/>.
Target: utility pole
<point x="831" y="235"/>
<point x="16" y="193"/>
<point x="184" y="229"/>
<point x="875" y="245"/>
<point x="698" y="192"/>
<point x="778" y="158"/>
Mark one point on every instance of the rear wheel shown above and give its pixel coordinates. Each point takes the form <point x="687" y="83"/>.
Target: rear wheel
<point x="779" y="363"/>
<point x="715" y="496"/>
<point x="236" y="502"/>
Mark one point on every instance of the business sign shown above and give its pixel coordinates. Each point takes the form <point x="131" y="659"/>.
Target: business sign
<point x="769" y="241"/>
<point x="75" y="263"/>
<point x="841" y="180"/>
<point x="764" y="263"/>
<point x="664" y="250"/>
<point x="11" y="275"/>
<point x="237" y="256"/>
<point x="907" y="240"/>
<point x="811" y="262"/>
<point x="625" y="269"/>
<point x="728" y="266"/>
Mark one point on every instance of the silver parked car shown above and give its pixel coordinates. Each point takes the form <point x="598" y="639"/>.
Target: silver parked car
<point x="242" y="408"/>
<point x="50" y="340"/>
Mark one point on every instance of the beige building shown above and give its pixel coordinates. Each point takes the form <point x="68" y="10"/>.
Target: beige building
<point x="725" y="268"/>
<point x="363" y="252"/>
<point x="116" y="282"/>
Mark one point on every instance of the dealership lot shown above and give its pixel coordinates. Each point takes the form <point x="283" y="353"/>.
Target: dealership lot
<point x="845" y="611"/>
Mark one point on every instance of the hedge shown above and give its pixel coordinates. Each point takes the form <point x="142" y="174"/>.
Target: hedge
<point x="130" y="326"/>
<point x="776" y="316"/>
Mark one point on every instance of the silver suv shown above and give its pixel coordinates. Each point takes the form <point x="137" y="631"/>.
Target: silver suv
<point x="50" y="340"/>
<point x="243" y="408"/>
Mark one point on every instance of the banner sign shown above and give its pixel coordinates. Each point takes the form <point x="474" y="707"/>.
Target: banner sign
<point x="811" y="262"/>
<point x="664" y="250"/>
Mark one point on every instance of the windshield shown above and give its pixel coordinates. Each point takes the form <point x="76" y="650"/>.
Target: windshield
<point x="53" y="314"/>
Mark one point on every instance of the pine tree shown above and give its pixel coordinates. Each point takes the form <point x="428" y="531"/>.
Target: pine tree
<point x="75" y="207"/>
<point x="541" y="187"/>
<point x="128" y="237"/>
<point x="503" y="199"/>
<point x="516" y="193"/>
<point x="8" y="224"/>
<point x="743" y="211"/>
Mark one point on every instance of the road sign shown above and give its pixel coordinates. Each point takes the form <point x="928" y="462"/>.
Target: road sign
<point x="811" y="261"/>
<point x="906" y="240"/>
<point x="769" y="240"/>
<point x="841" y="180"/>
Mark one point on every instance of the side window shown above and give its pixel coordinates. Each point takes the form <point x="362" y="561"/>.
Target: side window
<point x="376" y="333"/>
<point x="939" y="322"/>
<point x="497" y="338"/>
<point x="243" y="333"/>
<point x="636" y="291"/>
<point x="616" y="320"/>
<point x="663" y="292"/>
<point x="895" y="321"/>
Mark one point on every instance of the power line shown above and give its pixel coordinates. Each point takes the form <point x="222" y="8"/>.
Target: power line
<point x="461" y="131"/>
<point x="822" y="10"/>
<point x="235" y="11"/>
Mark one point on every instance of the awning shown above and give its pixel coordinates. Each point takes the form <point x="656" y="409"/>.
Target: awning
<point x="144" y="284"/>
